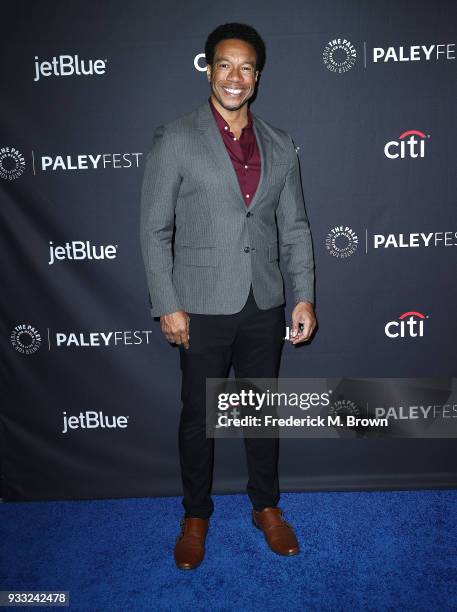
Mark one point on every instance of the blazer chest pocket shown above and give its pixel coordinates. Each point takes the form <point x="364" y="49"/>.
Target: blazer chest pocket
<point x="273" y="251"/>
<point x="196" y="256"/>
<point x="278" y="172"/>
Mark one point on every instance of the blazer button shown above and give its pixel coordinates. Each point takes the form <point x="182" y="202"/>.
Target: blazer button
<point x="246" y="249"/>
<point x="248" y="214"/>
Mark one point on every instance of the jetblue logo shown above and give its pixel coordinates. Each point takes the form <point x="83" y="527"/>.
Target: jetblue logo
<point x="77" y="250"/>
<point x="68" y="65"/>
<point x="93" y="420"/>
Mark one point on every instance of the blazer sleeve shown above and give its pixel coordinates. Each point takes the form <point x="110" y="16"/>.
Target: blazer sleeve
<point x="159" y="193"/>
<point x="295" y="242"/>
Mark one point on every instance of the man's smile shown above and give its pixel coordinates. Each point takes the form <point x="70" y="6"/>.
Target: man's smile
<point x="232" y="91"/>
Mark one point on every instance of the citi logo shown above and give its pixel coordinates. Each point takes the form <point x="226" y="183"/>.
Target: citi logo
<point x="68" y="65"/>
<point x="409" y="144"/>
<point x="197" y="65"/>
<point x="93" y="420"/>
<point x="409" y="325"/>
<point x="79" y="250"/>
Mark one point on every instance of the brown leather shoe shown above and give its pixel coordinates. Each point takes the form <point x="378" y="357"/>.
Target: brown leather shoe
<point x="190" y="544"/>
<point x="279" y="535"/>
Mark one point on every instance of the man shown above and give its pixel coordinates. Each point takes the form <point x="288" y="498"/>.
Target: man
<point x="228" y="183"/>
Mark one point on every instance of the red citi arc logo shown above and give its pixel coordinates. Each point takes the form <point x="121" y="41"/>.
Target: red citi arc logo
<point x="409" y="325"/>
<point x="410" y="144"/>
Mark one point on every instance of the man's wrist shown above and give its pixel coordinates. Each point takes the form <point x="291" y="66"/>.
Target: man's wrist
<point x="306" y="300"/>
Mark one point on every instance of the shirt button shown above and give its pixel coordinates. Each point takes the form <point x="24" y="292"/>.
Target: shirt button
<point x="225" y="127"/>
<point x="234" y="138"/>
<point x="247" y="195"/>
<point x="245" y="166"/>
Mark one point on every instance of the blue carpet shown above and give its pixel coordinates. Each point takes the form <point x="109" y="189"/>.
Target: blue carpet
<point x="360" y="551"/>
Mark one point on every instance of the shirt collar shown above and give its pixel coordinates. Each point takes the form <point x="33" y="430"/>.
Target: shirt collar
<point x="222" y="123"/>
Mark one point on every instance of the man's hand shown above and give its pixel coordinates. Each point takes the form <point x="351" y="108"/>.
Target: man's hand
<point x="302" y="313"/>
<point x="175" y="327"/>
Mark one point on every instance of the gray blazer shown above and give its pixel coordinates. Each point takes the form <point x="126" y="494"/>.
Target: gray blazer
<point x="221" y="246"/>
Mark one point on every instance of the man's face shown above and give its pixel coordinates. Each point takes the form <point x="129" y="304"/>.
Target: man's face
<point x="233" y="75"/>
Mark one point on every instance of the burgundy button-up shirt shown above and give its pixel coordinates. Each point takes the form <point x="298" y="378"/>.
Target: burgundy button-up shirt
<point x="243" y="152"/>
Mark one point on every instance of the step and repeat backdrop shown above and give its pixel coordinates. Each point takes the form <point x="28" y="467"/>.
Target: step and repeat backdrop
<point x="91" y="388"/>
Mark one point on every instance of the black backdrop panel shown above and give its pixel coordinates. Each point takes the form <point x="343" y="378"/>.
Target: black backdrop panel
<point x="78" y="343"/>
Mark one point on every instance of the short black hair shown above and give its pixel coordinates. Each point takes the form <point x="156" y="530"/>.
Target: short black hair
<point x="242" y="31"/>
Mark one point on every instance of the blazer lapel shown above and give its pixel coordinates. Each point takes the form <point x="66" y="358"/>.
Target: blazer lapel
<point x="213" y="140"/>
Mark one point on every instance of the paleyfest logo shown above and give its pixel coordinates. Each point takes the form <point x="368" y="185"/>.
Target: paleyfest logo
<point x="414" y="240"/>
<point x="97" y="161"/>
<point x="341" y="241"/>
<point x="12" y="163"/>
<point x="339" y="55"/>
<point x="409" y="325"/>
<point x="409" y="144"/>
<point x="414" y="53"/>
<point x="25" y="339"/>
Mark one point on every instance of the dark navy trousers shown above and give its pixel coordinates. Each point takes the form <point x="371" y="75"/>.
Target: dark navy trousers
<point x="251" y="341"/>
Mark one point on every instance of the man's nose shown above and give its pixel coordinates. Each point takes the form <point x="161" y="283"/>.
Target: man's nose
<point x="235" y="75"/>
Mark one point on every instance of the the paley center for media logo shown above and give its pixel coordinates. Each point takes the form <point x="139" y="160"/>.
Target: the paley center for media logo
<point x="341" y="241"/>
<point x="12" y="163"/>
<point x="25" y="338"/>
<point x="339" y="55"/>
<point x="68" y="65"/>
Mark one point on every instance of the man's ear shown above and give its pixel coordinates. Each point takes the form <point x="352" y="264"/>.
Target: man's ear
<point x="208" y="73"/>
